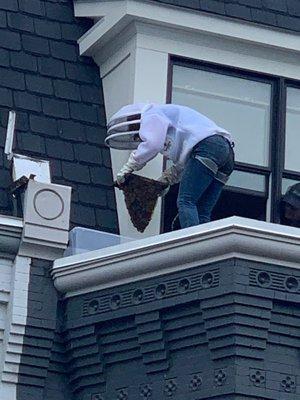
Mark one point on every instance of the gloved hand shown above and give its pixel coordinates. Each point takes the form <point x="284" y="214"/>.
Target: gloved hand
<point x="128" y="168"/>
<point x="171" y="175"/>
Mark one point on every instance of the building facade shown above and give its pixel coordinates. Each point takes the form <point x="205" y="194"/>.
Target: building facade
<point x="207" y="312"/>
<point x="58" y="98"/>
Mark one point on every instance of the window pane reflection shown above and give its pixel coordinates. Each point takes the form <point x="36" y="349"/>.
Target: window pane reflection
<point x="292" y="138"/>
<point x="239" y="105"/>
<point x="246" y="180"/>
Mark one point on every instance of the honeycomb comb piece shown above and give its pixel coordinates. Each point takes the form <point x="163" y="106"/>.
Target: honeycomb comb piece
<point x="141" y="196"/>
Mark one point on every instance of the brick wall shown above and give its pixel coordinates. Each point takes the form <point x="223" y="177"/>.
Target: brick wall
<point x="59" y="102"/>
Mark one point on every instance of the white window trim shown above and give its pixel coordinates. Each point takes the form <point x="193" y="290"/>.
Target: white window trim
<point x="133" y="39"/>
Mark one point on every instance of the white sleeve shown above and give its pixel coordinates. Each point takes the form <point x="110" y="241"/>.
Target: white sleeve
<point x="153" y="133"/>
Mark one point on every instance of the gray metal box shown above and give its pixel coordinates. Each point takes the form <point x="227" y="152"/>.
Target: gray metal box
<point x="82" y="240"/>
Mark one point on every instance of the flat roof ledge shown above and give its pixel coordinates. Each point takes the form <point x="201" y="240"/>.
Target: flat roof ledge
<point x="233" y="237"/>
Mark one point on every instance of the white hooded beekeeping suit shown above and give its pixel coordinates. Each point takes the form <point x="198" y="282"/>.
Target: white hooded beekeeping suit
<point x="149" y="129"/>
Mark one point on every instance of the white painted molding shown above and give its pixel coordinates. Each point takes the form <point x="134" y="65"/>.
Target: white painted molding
<point x="158" y="255"/>
<point x="14" y="281"/>
<point x="113" y="16"/>
<point x="10" y="235"/>
<point x="15" y="320"/>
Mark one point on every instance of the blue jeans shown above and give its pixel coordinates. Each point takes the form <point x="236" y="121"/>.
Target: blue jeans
<point x="207" y="170"/>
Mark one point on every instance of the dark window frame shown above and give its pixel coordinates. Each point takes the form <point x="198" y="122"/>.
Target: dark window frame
<point x="279" y="87"/>
<point x="290" y="173"/>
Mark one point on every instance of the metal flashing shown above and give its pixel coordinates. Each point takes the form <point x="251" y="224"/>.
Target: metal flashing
<point x="46" y="220"/>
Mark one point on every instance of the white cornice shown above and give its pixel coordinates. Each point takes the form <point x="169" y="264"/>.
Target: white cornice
<point x="10" y="235"/>
<point x="162" y="254"/>
<point x="114" y="15"/>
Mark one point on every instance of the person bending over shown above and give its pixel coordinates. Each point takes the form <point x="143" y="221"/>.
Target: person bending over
<point x="201" y="153"/>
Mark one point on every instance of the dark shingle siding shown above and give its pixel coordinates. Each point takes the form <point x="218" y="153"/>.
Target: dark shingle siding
<point x="9" y="5"/>
<point x="43" y="363"/>
<point x="213" y="6"/>
<point x="264" y="17"/>
<point x="276" y="5"/>
<point x="289" y="22"/>
<point x="59" y="102"/>
<point x="294" y="7"/>
<point x="275" y="13"/>
<point x="4" y="58"/>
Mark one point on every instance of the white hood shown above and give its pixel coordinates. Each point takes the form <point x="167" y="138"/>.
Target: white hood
<point x="124" y="125"/>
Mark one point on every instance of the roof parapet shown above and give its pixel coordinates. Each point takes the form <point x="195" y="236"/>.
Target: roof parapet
<point x="232" y="237"/>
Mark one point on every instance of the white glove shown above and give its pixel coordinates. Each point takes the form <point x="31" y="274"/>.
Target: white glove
<point x="171" y="175"/>
<point x="128" y="168"/>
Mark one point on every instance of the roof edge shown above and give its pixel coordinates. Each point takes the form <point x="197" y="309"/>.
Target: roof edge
<point x="162" y="254"/>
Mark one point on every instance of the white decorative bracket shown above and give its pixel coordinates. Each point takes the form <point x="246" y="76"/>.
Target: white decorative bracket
<point x="46" y="220"/>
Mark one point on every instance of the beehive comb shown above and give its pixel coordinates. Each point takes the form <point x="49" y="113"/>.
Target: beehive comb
<point x="141" y="196"/>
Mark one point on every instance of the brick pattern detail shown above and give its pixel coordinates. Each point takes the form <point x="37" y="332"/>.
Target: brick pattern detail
<point x="152" y="343"/>
<point x="42" y="366"/>
<point x="146" y="294"/>
<point x="59" y="103"/>
<point x="237" y="339"/>
<point x="85" y="358"/>
<point x="237" y="325"/>
<point x="283" y="14"/>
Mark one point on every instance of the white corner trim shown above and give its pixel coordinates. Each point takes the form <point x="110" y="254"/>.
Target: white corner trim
<point x="10" y="235"/>
<point x="116" y="14"/>
<point x="109" y="24"/>
<point x="161" y="254"/>
<point x="15" y="325"/>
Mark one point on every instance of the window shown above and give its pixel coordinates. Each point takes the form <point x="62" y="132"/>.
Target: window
<point x="263" y="114"/>
<point x="241" y="105"/>
<point x="292" y="138"/>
